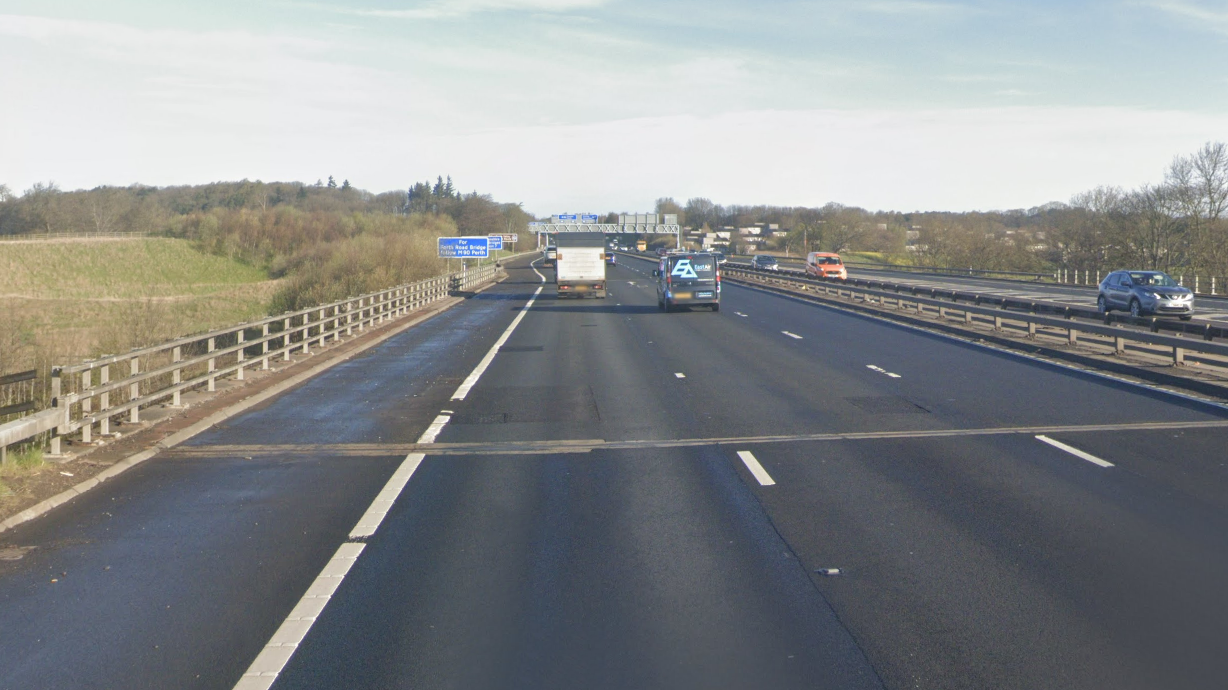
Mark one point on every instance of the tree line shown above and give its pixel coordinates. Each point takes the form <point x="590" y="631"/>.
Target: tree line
<point x="1179" y="224"/>
<point x="326" y="241"/>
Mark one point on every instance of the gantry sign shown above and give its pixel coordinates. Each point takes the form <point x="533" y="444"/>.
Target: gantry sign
<point x="628" y="223"/>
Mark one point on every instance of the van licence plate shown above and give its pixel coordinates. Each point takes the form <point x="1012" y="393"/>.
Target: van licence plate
<point x="703" y="294"/>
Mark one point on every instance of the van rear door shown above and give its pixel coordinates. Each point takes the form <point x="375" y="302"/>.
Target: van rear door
<point x="692" y="277"/>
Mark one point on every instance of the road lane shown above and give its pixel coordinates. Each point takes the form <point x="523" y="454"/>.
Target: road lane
<point x="176" y="573"/>
<point x="977" y="561"/>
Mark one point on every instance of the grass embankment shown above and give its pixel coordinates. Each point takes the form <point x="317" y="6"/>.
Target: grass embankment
<point x="66" y="300"/>
<point x="20" y="463"/>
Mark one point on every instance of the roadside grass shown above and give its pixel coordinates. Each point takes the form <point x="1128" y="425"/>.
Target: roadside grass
<point x="116" y="269"/>
<point x="21" y="462"/>
<point x="74" y="299"/>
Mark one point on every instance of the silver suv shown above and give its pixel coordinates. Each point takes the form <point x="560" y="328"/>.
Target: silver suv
<point x="1145" y="292"/>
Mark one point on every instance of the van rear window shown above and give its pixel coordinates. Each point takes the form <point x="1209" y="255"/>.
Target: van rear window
<point x="827" y="260"/>
<point x="692" y="266"/>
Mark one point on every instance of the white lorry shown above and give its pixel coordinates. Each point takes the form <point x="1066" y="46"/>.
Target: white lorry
<point x="579" y="266"/>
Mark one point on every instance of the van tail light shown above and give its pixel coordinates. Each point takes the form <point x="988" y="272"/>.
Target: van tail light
<point x="669" y="280"/>
<point x="598" y="286"/>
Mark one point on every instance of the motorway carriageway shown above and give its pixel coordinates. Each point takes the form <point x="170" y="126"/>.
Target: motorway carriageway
<point x="597" y="494"/>
<point x="1213" y="309"/>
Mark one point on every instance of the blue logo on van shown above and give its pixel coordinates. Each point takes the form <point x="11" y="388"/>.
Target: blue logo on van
<point x="683" y="269"/>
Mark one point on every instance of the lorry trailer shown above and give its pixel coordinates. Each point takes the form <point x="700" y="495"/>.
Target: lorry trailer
<point x="579" y="264"/>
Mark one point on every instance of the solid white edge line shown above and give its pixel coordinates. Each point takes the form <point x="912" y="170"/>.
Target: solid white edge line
<point x="792" y="335"/>
<point x="276" y="654"/>
<point x="434" y="428"/>
<point x="384" y="500"/>
<point x="1074" y="451"/>
<point x="476" y="374"/>
<point x="752" y="464"/>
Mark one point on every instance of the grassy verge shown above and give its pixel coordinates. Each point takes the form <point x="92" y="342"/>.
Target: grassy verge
<point x="69" y="300"/>
<point x="21" y="461"/>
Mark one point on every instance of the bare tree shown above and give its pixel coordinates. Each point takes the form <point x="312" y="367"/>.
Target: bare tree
<point x="1200" y="188"/>
<point x="1152" y="232"/>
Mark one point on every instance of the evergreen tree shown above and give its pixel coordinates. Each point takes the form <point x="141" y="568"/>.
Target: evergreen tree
<point x="345" y="186"/>
<point x="332" y="184"/>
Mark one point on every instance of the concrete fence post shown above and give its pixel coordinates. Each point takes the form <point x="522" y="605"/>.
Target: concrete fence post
<point x="1072" y="337"/>
<point x="323" y="335"/>
<point x="134" y="390"/>
<point x="56" y="392"/>
<point x="104" y="401"/>
<point x="87" y="382"/>
<point x="1119" y="345"/>
<point x="176" y="375"/>
<point x="1032" y="330"/>
<point x="306" y="327"/>
<point x="212" y="345"/>
<point x="1195" y="283"/>
<point x="241" y="336"/>
<point x="1178" y="356"/>
<point x="285" y="340"/>
<point x="265" y="347"/>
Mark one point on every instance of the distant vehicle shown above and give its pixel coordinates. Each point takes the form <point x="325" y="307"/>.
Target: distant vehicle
<point x="1145" y="292"/>
<point x="662" y="251"/>
<point x="720" y="258"/>
<point x="641" y="245"/>
<point x="826" y="265"/>
<point x="550" y="254"/>
<point x="610" y="258"/>
<point x="764" y="262"/>
<point x="579" y="267"/>
<point x="688" y="279"/>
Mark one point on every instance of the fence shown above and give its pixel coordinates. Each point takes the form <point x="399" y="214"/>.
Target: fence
<point x="16" y="398"/>
<point x="89" y="395"/>
<point x="41" y="236"/>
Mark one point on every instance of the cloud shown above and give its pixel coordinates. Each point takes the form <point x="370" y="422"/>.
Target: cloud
<point x="451" y="9"/>
<point x="1214" y="19"/>
<point x="911" y="7"/>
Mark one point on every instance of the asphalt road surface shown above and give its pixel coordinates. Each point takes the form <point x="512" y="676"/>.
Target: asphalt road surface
<point x="597" y="494"/>
<point x="1213" y="309"/>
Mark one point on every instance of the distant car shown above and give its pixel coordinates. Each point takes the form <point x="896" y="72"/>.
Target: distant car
<point x="609" y="258"/>
<point x="1145" y="292"/>
<point x="550" y="254"/>
<point x="764" y="262"/>
<point x="662" y="251"/>
<point x="826" y="265"/>
<point x="720" y="258"/>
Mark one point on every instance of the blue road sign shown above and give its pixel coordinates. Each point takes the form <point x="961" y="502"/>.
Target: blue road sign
<point x="567" y="216"/>
<point x="496" y="242"/>
<point x="588" y="218"/>
<point x="463" y="247"/>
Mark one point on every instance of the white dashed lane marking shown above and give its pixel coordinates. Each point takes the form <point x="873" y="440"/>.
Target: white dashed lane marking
<point x="875" y="367"/>
<point x="1074" y="451"/>
<point x="792" y="335"/>
<point x="680" y="375"/>
<point x="752" y="464"/>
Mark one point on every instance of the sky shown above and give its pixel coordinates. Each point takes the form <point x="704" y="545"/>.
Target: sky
<point x="607" y="105"/>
